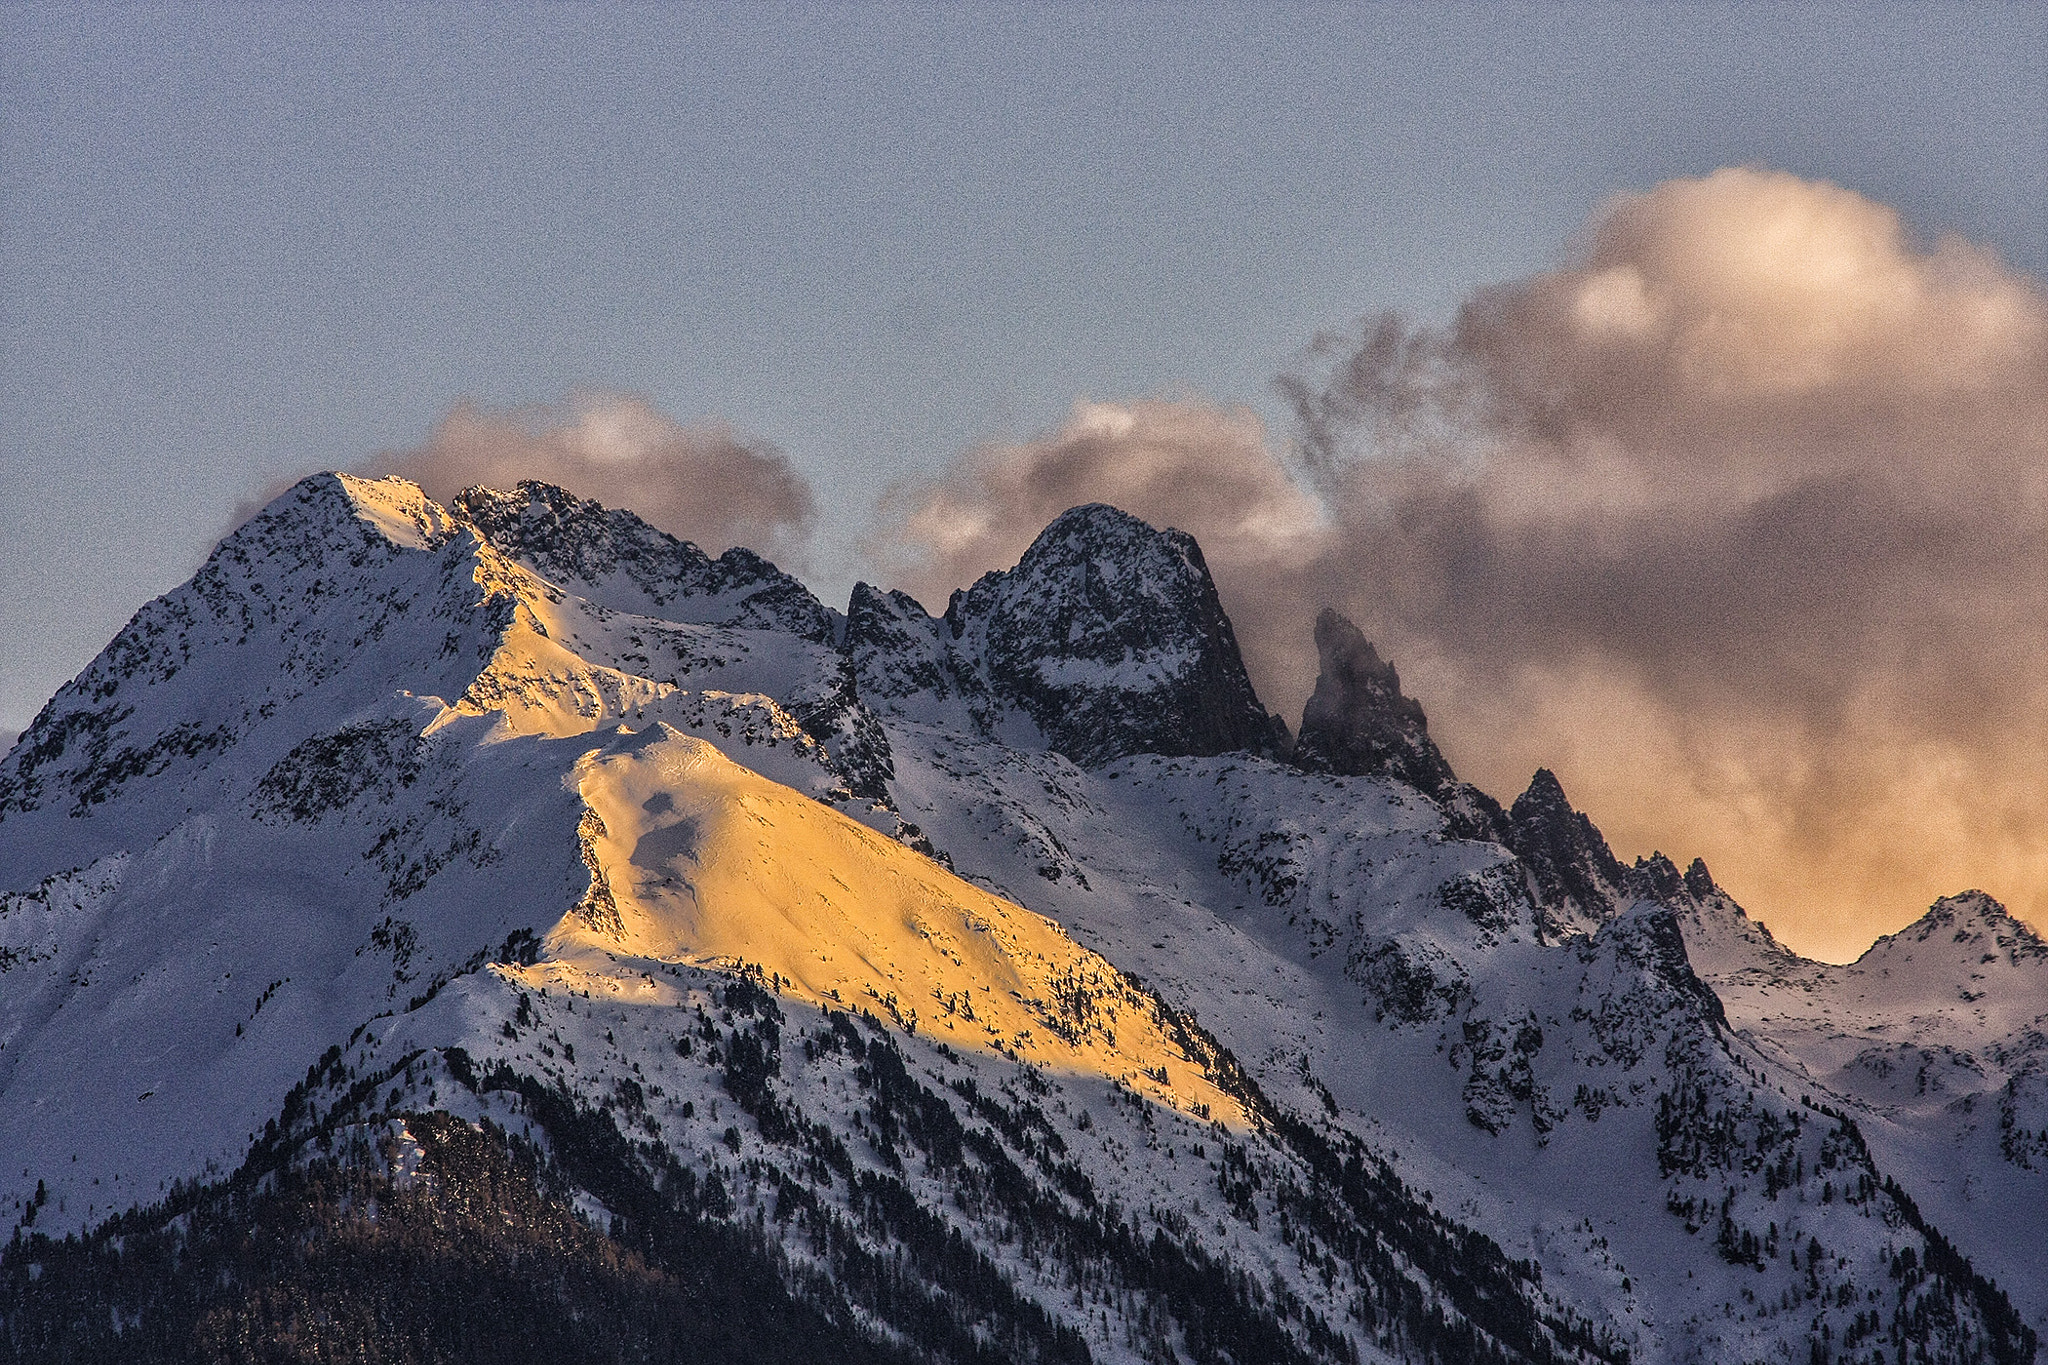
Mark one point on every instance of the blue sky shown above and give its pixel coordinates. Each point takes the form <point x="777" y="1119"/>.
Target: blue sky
<point x="244" y="243"/>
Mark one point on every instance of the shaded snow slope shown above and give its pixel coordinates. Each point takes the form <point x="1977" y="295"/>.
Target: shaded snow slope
<point x="1937" y="1038"/>
<point x="1582" y="1102"/>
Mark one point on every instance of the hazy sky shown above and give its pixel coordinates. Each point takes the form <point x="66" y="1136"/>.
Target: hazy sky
<point x="240" y="244"/>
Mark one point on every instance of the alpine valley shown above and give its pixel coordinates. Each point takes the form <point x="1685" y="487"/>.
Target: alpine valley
<point x="502" y="931"/>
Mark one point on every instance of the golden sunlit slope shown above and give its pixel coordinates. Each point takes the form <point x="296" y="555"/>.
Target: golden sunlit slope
<point x="694" y="858"/>
<point x="530" y="681"/>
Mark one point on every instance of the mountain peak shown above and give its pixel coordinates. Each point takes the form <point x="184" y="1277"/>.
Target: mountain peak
<point x="329" y="510"/>
<point x="1358" y="722"/>
<point x="1109" y="636"/>
<point x="1656" y="878"/>
<point x="1544" y="793"/>
<point x="1973" y="920"/>
<point x="397" y="507"/>
<point x="1577" y="875"/>
<point x="1968" y="906"/>
<point x="1093" y="520"/>
<point x="895" y="648"/>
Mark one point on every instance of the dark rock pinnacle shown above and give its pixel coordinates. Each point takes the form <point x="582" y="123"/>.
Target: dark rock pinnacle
<point x="1564" y="851"/>
<point x="1108" y="634"/>
<point x="1358" y="723"/>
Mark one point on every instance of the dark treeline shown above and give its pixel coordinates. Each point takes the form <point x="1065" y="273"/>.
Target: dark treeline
<point x="471" y="1261"/>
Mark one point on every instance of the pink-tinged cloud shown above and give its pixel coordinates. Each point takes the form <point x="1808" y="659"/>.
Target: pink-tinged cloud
<point x="705" y="483"/>
<point x="1186" y="463"/>
<point x="1737" y="518"/>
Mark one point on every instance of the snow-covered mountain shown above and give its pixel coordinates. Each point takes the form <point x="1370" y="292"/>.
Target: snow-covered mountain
<point x="1937" y="1040"/>
<point x="504" y="923"/>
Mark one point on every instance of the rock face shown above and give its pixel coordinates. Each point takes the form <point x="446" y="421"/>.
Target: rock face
<point x="1578" y="878"/>
<point x="896" y="649"/>
<point x="1107" y="639"/>
<point x="1358" y="723"/>
<point x="621" y="562"/>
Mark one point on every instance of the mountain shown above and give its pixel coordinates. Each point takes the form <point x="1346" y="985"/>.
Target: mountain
<point x="504" y="929"/>
<point x="1936" y="1039"/>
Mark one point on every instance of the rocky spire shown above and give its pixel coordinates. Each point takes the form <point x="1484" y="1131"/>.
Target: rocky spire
<point x="1358" y="723"/>
<point x="1577" y="876"/>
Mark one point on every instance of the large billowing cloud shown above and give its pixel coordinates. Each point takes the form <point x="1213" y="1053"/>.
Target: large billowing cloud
<point x="1738" y="519"/>
<point x="706" y="483"/>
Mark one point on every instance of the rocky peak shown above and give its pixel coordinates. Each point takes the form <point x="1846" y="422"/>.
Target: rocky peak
<point x="1109" y="636"/>
<point x="1729" y="950"/>
<point x="1970" y="910"/>
<point x="1578" y="878"/>
<point x="615" y="559"/>
<point x="1650" y="933"/>
<point x="895" y="648"/>
<point x="1973" y="924"/>
<point x="1655" y="878"/>
<point x="1358" y="723"/>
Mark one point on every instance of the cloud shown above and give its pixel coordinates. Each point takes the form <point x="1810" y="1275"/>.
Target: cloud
<point x="1739" y="511"/>
<point x="706" y="483"/>
<point x="1738" y="518"/>
<point x="1187" y="463"/>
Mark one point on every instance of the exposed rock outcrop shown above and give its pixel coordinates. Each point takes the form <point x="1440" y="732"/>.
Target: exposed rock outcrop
<point x="1359" y="723"/>
<point x="1106" y="639"/>
<point x="1578" y="878"/>
<point x="620" y="561"/>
